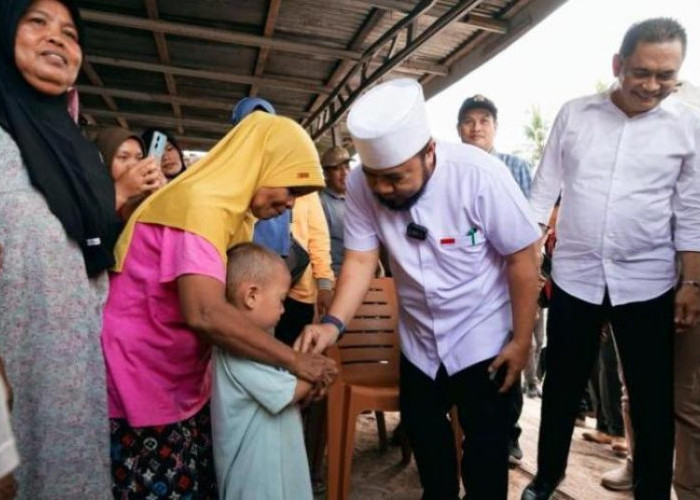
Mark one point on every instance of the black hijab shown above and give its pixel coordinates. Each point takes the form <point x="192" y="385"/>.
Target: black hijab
<point x="147" y="136"/>
<point x="64" y="166"/>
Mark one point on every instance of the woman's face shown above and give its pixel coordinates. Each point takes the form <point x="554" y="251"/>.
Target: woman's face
<point x="127" y="155"/>
<point x="171" y="165"/>
<point x="47" y="53"/>
<point x="271" y="202"/>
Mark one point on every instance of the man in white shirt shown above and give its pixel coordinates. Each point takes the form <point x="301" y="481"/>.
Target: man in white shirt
<point x="626" y="164"/>
<point x="460" y="238"/>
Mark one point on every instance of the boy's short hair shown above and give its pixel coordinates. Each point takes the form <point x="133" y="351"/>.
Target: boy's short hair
<point x="250" y="262"/>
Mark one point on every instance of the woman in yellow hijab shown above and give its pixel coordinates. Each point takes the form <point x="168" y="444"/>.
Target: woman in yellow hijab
<point x="167" y="303"/>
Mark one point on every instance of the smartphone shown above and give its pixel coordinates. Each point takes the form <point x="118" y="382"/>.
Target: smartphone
<point x="157" y="146"/>
<point x="498" y="377"/>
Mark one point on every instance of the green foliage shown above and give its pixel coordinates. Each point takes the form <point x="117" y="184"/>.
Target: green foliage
<point x="536" y="133"/>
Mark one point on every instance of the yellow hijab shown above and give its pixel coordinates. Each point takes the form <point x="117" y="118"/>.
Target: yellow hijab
<point x="211" y="198"/>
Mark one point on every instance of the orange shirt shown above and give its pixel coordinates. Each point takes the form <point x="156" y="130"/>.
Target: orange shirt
<point x="310" y="229"/>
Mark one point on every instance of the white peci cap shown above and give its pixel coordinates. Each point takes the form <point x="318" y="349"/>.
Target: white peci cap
<point x="389" y="124"/>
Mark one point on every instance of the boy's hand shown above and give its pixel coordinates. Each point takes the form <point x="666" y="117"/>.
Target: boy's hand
<point x="318" y="392"/>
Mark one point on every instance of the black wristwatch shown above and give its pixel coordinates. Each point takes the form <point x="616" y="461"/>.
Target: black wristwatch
<point x="329" y="319"/>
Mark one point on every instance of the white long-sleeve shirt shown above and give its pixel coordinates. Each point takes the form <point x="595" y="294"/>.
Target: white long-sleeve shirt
<point x="630" y="192"/>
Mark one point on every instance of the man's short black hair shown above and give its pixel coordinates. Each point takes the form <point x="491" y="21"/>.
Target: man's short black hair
<point x="656" y="30"/>
<point x="477" y="101"/>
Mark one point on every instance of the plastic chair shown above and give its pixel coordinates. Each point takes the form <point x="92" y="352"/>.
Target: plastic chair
<point x="368" y="361"/>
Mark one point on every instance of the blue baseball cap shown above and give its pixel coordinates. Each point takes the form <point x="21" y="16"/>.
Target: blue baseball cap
<point x="247" y="105"/>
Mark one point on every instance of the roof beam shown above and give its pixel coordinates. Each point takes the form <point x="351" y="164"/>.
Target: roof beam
<point x="97" y="81"/>
<point x="471" y="21"/>
<point x="194" y="102"/>
<point x="342" y="68"/>
<point x="160" y="120"/>
<point x="287" y="83"/>
<point x="164" y="57"/>
<point x="340" y="100"/>
<point x="371" y="22"/>
<point x="273" y="11"/>
<point x="216" y="35"/>
<point x="336" y="98"/>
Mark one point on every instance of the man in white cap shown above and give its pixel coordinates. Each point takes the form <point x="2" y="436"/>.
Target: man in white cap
<point x="460" y="238"/>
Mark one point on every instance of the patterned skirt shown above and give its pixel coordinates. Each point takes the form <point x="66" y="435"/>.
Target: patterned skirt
<point x="173" y="461"/>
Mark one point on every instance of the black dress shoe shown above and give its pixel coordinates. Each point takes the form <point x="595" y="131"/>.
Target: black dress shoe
<point x="539" y="490"/>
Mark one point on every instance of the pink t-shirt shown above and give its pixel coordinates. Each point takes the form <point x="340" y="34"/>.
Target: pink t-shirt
<point x="158" y="371"/>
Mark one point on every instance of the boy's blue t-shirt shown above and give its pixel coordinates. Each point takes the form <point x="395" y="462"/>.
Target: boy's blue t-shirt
<point x="258" y="439"/>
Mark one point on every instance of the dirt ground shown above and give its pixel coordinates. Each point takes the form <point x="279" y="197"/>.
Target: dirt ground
<point x="377" y="475"/>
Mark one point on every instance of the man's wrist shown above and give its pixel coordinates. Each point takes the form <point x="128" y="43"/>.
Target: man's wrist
<point x="329" y="319"/>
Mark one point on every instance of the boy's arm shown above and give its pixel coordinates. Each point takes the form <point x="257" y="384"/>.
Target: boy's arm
<point x="301" y="391"/>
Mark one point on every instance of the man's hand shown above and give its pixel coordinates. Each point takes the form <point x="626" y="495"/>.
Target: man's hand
<point x="323" y="301"/>
<point x="687" y="307"/>
<point x="515" y="356"/>
<point x="314" y="368"/>
<point x="316" y="338"/>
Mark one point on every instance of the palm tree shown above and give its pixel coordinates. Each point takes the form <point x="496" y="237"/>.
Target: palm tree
<point x="536" y="132"/>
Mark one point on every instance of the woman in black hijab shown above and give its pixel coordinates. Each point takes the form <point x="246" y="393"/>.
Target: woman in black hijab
<point x="173" y="162"/>
<point x="57" y="227"/>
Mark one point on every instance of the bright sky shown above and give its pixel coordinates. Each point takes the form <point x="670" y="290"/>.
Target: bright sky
<point x="563" y="57"/>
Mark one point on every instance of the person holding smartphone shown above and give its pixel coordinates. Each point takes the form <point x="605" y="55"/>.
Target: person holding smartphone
<point x="135" y="176"/>
<point x="172" y="161"/>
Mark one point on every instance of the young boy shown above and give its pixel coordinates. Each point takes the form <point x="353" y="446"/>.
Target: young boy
<point x="257" y="433"/>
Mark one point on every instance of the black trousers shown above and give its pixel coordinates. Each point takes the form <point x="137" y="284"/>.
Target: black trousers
<point x="516" y="409"/>
<point x="607" y="389"/>
<point x="484" y="418"/>
<point x="644" y="335"/>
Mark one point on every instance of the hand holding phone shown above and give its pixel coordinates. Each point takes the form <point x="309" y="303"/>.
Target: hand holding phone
<point x="157" y="147"/>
